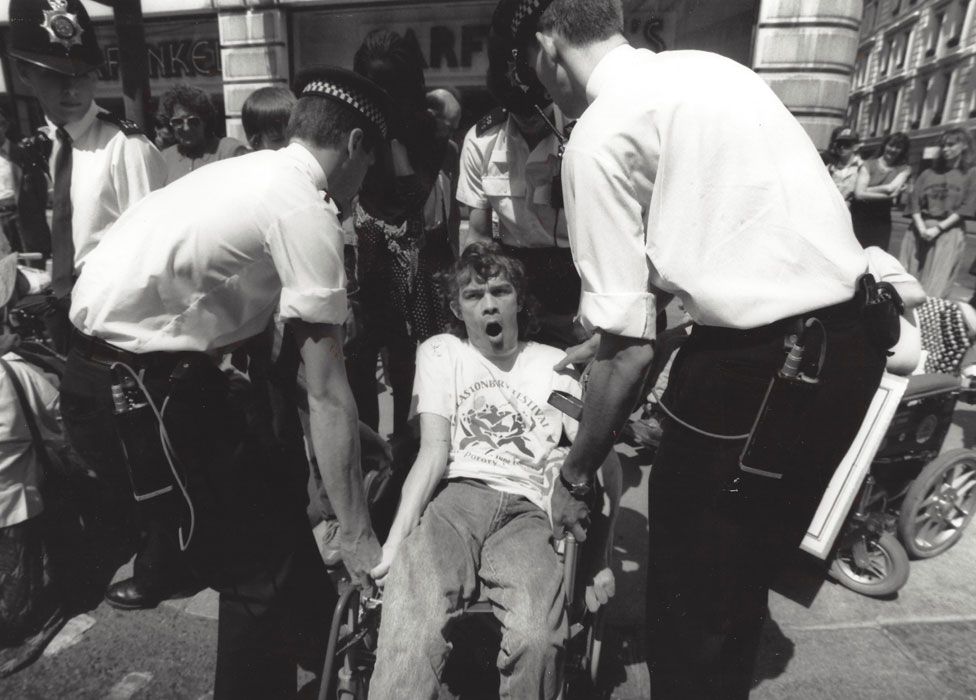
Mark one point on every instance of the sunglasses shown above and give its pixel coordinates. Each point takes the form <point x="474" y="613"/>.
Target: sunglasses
<point x="190" y="122"/>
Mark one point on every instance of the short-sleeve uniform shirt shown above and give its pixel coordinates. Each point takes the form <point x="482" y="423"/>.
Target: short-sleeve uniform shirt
<point x="499" y="172"/>
<point x="687" y="174"/>
<point x="503" y="430"/>
<point x="110" y="171"/>
<point x="201" y="264"/>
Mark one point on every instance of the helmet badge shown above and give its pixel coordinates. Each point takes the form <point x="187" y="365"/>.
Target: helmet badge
<point x="62" y="26"/>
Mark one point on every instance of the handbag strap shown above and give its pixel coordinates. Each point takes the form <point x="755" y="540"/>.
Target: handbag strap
<point x="35" y="432"/>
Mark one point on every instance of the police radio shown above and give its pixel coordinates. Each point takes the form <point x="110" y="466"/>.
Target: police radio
<point x="556" y="189"/>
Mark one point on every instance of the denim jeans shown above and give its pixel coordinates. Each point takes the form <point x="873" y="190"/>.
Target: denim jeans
<point x="470" y="537"/>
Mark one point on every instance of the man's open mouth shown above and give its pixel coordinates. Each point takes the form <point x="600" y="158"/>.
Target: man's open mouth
<point x="493" y="329"/>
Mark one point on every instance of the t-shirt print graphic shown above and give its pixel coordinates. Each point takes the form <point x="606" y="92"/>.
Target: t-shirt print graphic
<point x="487" y="423"/>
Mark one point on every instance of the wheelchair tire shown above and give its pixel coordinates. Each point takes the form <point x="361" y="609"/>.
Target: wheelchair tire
<point x="939" y="504"/>
<point x="886" y="570"/>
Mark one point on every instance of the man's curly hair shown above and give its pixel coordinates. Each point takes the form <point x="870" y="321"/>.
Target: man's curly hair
<point x="483" y="261"/>
<point x="193" y="100"/>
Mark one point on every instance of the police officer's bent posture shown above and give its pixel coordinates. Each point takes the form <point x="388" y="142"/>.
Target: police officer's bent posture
<point x="686" y="176"/>
<point x="100" y="165"/>
<point x="193" y="270"/>
<point x="510" y="167"/>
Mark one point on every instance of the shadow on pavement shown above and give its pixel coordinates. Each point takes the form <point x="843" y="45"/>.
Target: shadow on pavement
<point x="775" y="652"/>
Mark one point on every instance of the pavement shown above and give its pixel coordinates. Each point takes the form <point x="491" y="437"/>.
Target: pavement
<point x="822" y="642"/>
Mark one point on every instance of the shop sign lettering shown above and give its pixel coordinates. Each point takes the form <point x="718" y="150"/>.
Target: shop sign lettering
<point x="170" y="59"/>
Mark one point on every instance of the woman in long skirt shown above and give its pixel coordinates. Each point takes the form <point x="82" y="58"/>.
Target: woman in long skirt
<point x="941" y="199"/>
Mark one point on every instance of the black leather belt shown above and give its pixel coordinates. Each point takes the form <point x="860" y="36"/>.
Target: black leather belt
<point x="99" y="351"/>
<point x="844" y="312"/>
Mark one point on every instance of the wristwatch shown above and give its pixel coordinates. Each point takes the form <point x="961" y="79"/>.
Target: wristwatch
<point x="580" y="490"/>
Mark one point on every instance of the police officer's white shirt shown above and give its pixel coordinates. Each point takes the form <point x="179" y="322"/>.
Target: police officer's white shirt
<point x="687" y="174"/>
<point x="200" y="264"/>
<point x="499" y="172"/>
<point x="110" y="172"/>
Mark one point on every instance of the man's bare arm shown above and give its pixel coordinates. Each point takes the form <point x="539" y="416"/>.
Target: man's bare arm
<point x="427" y="471"/>
<point x="479" y="228"/>
<point x="335" y="439"/>
<point x="612" y="391"/>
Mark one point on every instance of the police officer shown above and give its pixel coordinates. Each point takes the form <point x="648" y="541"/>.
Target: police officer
<point x="100" y="165"/>
<point x="510" y="171"/>
<point x="685" y="175"/>
<point x="192" y="271"/>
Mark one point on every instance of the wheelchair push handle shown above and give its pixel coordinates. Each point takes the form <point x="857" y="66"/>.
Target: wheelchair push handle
<point x="570" y="555"/>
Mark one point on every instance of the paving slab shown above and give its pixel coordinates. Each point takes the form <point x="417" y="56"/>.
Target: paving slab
<point x="943" y="651"/>
<point x="852" y="664"/>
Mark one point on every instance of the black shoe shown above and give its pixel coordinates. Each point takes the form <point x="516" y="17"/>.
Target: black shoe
<point x="129" y="595"/>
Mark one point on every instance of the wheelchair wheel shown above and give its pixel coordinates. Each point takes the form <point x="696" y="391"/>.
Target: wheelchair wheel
<point x="939" y="504"/>
<point x="870" y="565"/>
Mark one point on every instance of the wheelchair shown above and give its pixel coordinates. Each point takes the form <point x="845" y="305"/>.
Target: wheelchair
<point x="915" y="502"/>
<point x="351" y="650"/>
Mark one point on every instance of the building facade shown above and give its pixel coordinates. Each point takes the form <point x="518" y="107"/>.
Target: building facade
<point x="915" y="71"/>
<point x="804" y="48"/>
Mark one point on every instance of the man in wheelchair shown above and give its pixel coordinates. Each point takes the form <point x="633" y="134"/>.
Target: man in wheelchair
<point x="473" y="516"/>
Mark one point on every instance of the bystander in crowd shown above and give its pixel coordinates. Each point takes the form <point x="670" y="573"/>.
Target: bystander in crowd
<point x="193" y="120"/>
<point x="941" y="199"/>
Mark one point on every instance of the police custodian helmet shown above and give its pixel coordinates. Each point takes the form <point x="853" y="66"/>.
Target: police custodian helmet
<point x="510" y="80"/>
<point x="54" y="34"/>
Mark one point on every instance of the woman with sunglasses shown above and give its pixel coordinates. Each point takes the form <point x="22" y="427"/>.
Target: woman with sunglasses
<point x="193" y="120"/>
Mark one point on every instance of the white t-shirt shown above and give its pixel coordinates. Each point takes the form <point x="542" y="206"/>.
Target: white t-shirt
<point x="503" y="431"/>
<point x="687" y="174"/>
<point x="201" y="264"/>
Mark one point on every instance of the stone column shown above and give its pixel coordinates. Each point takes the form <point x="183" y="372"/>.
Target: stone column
<point x="253" y="50"/>
<point x="805" y="49"/>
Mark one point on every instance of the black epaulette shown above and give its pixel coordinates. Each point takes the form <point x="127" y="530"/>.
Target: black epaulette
<point x="329" y="199"/>
<point x="493" y="118"/>
<point x="129" y="128"/>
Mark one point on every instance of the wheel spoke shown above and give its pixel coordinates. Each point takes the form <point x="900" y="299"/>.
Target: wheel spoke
<point x="965" y="489"/>
<point x="928" y="533"/>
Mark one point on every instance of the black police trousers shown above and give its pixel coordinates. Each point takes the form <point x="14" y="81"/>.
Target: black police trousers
<point x="247" y="535"/>
<point x="711" y="559"/>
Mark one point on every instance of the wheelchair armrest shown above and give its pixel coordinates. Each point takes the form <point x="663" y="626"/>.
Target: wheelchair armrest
<point x="920" y="385"/>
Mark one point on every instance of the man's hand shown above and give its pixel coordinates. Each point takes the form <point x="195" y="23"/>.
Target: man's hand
<point x="601" y="590"/>
<point x="360" y="554"/>
<point x="568" y="513"/>
<point x="581" y="354"/>
<point x="380" y="571"/>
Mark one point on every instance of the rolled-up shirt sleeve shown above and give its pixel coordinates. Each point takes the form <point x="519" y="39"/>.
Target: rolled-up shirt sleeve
<point x="470" y="191"/>
<point x="306" y="246"/>
<point x="606" y="231"/>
